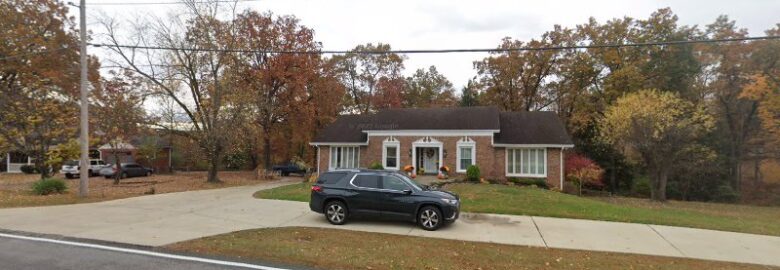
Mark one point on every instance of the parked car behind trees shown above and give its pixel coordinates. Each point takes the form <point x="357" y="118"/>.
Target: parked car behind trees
<point x="126" y="170"/>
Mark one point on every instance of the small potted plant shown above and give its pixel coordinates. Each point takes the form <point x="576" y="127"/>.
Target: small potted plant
<point x="444" y="172"/>
<point x="421" y="171"/>
<point x="409" y="169"/>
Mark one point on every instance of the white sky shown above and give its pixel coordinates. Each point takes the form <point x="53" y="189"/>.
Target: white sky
<point x="441" y="24"/>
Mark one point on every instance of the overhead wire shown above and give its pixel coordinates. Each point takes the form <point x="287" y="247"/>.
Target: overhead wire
<point x="440" y="51"/>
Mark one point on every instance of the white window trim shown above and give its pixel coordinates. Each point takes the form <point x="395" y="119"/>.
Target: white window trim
<point x="330" y="156"/>
<point x="473" y="146"/>
<point x="392" y="143"/>
<point x="506" y="163"/>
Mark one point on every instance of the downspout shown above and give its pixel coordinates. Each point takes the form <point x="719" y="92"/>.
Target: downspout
<point x="318" y="159"/>
<point x="561" y="167"/>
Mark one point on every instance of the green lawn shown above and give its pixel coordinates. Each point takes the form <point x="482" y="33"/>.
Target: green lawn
<point x="341" y="249"/>
<point x="501" y="199"/>
<point x="296" y="192"/>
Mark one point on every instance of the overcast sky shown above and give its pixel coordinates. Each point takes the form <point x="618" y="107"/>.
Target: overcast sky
<point x="443" y="24"/>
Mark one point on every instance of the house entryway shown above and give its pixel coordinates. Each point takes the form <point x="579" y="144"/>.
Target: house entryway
<point x="428" y="159"/>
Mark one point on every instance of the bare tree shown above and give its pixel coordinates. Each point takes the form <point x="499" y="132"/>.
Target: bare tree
<point x="199" y="44"/>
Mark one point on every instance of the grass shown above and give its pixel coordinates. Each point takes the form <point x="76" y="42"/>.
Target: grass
<point x="296" y="192"/>
<point x="340" y="249"/>
<point x="514" y="200"/>
<point x="16" y="191"/>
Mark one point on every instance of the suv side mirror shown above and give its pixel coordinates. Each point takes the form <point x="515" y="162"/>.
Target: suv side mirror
<point x="407" y="191"/>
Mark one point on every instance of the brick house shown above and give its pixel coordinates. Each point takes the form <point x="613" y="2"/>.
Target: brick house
<point x="501" y="144"/>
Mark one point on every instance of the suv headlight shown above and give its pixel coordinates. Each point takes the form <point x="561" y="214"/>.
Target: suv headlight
<point x="450" y="201"/>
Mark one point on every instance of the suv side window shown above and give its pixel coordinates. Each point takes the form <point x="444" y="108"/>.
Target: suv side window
<point x="331" y="177"/>
<point x="367" y="181"/>
<point x="393" y="183"/>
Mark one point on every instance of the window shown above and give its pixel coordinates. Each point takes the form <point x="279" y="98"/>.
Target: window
<point x="528" y="162"/>
<point x="331" y="177"/>
<point x="393" y="183"/>
<point x="466" y="154"/>
<point x="390" y="153"/>
<point x="366" y="181"/>
<point x="344" y="157"/>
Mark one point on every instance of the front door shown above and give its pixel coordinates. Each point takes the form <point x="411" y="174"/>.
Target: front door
<point x="430" y="159"/>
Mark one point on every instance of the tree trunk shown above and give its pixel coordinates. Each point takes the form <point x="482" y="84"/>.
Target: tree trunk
<point x="214" y="167"/>
<point x="41" y="166"/>
<point x="757" y="172"/>
<point x="663" y="176"/>
<point x="118" y="173"/>
<point x="267" y="151"/>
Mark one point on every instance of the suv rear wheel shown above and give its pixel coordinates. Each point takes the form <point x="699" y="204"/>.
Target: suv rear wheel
<point x="336" y="212"/>
<point x="430" y="218"/>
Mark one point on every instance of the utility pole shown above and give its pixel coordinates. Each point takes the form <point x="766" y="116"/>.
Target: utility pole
<point x="84" y="136"/>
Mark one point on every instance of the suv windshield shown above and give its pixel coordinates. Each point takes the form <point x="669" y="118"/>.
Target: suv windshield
<point x="72" y="163"/>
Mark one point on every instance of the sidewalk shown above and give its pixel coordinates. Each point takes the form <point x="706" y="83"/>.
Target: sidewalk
<point x="168" y="218"/>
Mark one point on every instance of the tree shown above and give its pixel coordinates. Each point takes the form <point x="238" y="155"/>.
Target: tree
<point x="657" y="128"/>
<point x="361" y="74"/>
<point x="38" y="77"/>
<point x="192" y="72"/>
<point x="275" y="84"/>
<point x="428" y="88"/>
<point x="727" y="68"/>
<point x="515" y="80"/>
<point x="118" y="112"/>
<point x="583" y="171"/>
<point x="469" y="95"/>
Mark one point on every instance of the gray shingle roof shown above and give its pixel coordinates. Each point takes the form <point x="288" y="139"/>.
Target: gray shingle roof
<point x="514" y="127"/>
<point x="531" y="128"/>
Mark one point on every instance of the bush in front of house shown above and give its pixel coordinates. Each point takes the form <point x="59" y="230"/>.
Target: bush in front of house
<point x="472" y="173"/>
<point x="49" y="186"/>
<point x="538" y="182"/>
<point x="376" y="166"/>
<point x="29" y="169"/>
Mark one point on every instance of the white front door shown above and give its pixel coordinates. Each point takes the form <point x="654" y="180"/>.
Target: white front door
<point x="430" y="157"/>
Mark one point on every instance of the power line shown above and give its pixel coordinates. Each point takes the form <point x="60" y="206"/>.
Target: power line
<point x="167" y="3"/>
<point x="438" y="51"/>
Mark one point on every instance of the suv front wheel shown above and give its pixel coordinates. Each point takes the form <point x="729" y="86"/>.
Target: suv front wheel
<point x="430" y="218"/>
<point x="336" y="212"/>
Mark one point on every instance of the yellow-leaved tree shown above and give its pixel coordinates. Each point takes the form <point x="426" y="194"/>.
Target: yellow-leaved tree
<point x="657" y="129"/>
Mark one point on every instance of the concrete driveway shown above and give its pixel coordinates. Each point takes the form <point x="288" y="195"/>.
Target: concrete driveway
<point x="168" y="218"/>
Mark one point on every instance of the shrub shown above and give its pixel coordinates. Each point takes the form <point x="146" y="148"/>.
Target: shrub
<point x="472" y="173"/>
<point x="726" y="194"/>
<point x="49" y="186"/>
<point x="583" y="171"/>
<point x="29" y="169"/>
<point x="376" y="166"/>
<point x="641" y="186"/>
<point x="539" y="182"/>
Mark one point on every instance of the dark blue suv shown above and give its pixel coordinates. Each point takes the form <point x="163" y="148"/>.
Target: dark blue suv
<point x="342" y="194"/>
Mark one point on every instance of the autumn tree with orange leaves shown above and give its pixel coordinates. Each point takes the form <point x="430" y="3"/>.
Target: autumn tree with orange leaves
<point x="38" y="78"/>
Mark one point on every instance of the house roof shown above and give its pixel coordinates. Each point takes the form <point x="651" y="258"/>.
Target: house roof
<point x="511" y="127"/>
<point x="346" y="129"/>
<point x="455" y="118"/>
<point x="531" y="128"/>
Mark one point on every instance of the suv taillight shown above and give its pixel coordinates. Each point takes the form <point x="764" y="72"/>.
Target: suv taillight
<point x="316" y="188"/>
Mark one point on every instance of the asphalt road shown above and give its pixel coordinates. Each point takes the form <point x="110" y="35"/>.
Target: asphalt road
<point x="19" y="254"/>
